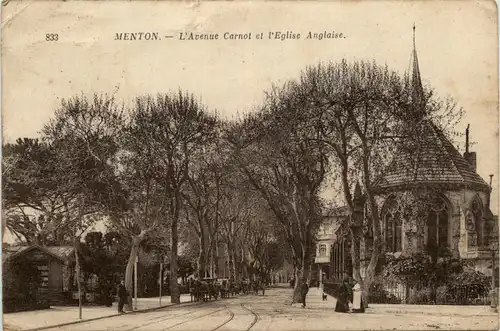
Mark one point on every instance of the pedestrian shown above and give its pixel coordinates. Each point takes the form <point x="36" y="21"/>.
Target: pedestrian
<point x="357" y="300"/>
<point x="303" y="293"/>
<point x="122" y="296"/>
<point x="344" y="295"/>
<point x="108" y="296"/>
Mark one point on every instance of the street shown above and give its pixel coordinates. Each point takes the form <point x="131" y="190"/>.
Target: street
<point x="273" y="312"/>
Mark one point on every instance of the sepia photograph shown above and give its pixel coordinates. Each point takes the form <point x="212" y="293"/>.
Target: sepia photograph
<point x="250" y="165"/>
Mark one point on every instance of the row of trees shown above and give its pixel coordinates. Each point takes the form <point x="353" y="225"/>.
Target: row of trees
<point x="167" y="169"/>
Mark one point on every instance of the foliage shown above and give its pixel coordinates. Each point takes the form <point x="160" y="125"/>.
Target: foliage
<point x="421" y="270"/>
<point x="476" y="284"/>
<point x="186" y="266"/>
<point x="441" y="279"/>
<point x="409" y="270"/>
<point x="104" y="255"/>
<point x="21" y="280"/>
<point x="378" y="294"/>
<point x="55" y="187"/>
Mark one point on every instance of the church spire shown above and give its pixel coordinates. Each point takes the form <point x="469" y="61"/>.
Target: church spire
<point x="416" y="88"/>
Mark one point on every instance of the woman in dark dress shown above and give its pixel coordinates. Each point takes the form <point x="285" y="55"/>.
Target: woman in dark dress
<point x="344" y="295"/>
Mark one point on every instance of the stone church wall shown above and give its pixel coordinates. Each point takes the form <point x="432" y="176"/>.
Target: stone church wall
<point x="459" y="203"/>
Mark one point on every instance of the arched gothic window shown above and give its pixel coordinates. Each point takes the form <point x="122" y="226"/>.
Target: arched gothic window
<point x="437" y="223"/>
<point x="393" y="228"/>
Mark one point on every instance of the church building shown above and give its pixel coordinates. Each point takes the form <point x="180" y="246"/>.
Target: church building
<point x="454" y="202"/>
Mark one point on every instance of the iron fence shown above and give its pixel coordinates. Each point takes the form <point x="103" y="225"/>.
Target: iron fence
<point x="470" y="294"/>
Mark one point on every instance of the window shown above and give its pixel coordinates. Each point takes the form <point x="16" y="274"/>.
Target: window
<point x="322" y="250"/>
<point x="393" y="228"/>
<point x="432" y="238"/>
<point x="437" y="224"/>
<point x="443" y="227"/>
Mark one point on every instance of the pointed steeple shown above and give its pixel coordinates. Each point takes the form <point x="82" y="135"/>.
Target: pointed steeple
<point x="358" y="202"/>
<point x="416" y="88"/>
<point x="357" y="191"/>
<point x="358" y="198"/>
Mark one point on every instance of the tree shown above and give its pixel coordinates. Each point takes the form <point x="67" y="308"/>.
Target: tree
<point x="167" y="130"/>
<point x="362" y="112"/>
<point x="59" y="185"/>
<point x="275" y="149"/>
<point x="83" y="133"/>
<point x="33" y="193"/>
<point x="265" y="250"/>
<point x="202" y="196"/>
<point x="138" y="172"/>
<point x="103" y="255"/>
<point x="240" y="204"/>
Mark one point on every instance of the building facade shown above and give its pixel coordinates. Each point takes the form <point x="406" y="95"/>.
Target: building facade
<point x="332" y="248"/>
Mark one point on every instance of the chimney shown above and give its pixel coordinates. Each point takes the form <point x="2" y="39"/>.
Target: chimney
<point x="470" y="157"/>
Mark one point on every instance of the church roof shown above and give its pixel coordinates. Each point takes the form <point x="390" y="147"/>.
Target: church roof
<point x="434" y="161"/>
<point x="429" y="157"/>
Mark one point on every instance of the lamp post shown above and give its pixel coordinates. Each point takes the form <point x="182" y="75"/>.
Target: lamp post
<point x="161" y="279"/>
<point x="135" y="282"/>
<point x="493" y="292"/>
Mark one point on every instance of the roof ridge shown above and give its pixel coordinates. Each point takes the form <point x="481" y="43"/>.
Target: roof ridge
<point x="44" y="249"/>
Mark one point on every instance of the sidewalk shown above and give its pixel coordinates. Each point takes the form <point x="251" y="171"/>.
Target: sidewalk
<point x="314" y="300"/>
<point x="57" y="315"/>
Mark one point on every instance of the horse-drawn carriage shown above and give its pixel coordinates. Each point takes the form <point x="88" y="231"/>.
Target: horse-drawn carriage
<point x="225" y="287"/>
<point x="204" y="289"/>
<point x="212" y="288"/>
<point x="246" y="286"/>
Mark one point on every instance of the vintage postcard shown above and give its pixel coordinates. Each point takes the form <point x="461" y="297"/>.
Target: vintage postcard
<point x="250" y="165"/>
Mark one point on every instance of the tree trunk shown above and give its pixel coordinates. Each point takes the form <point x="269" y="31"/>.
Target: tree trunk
<point x="201" y="263"/>
<point x="301" y="276"/>
<point x="215" y="258"/>
<point x="129" y="271"/>
<point x="233" y="263"/>
<point x="4" y="225"/>
<point x="244" y="268"/>
<point x="174" y="289"/>
<point x="374" y="215"/>
<point x="230" y="271"/>
<point x="78" y="277"/>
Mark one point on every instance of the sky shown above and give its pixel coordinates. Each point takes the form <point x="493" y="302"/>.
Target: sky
<point x="457" y="47"/>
